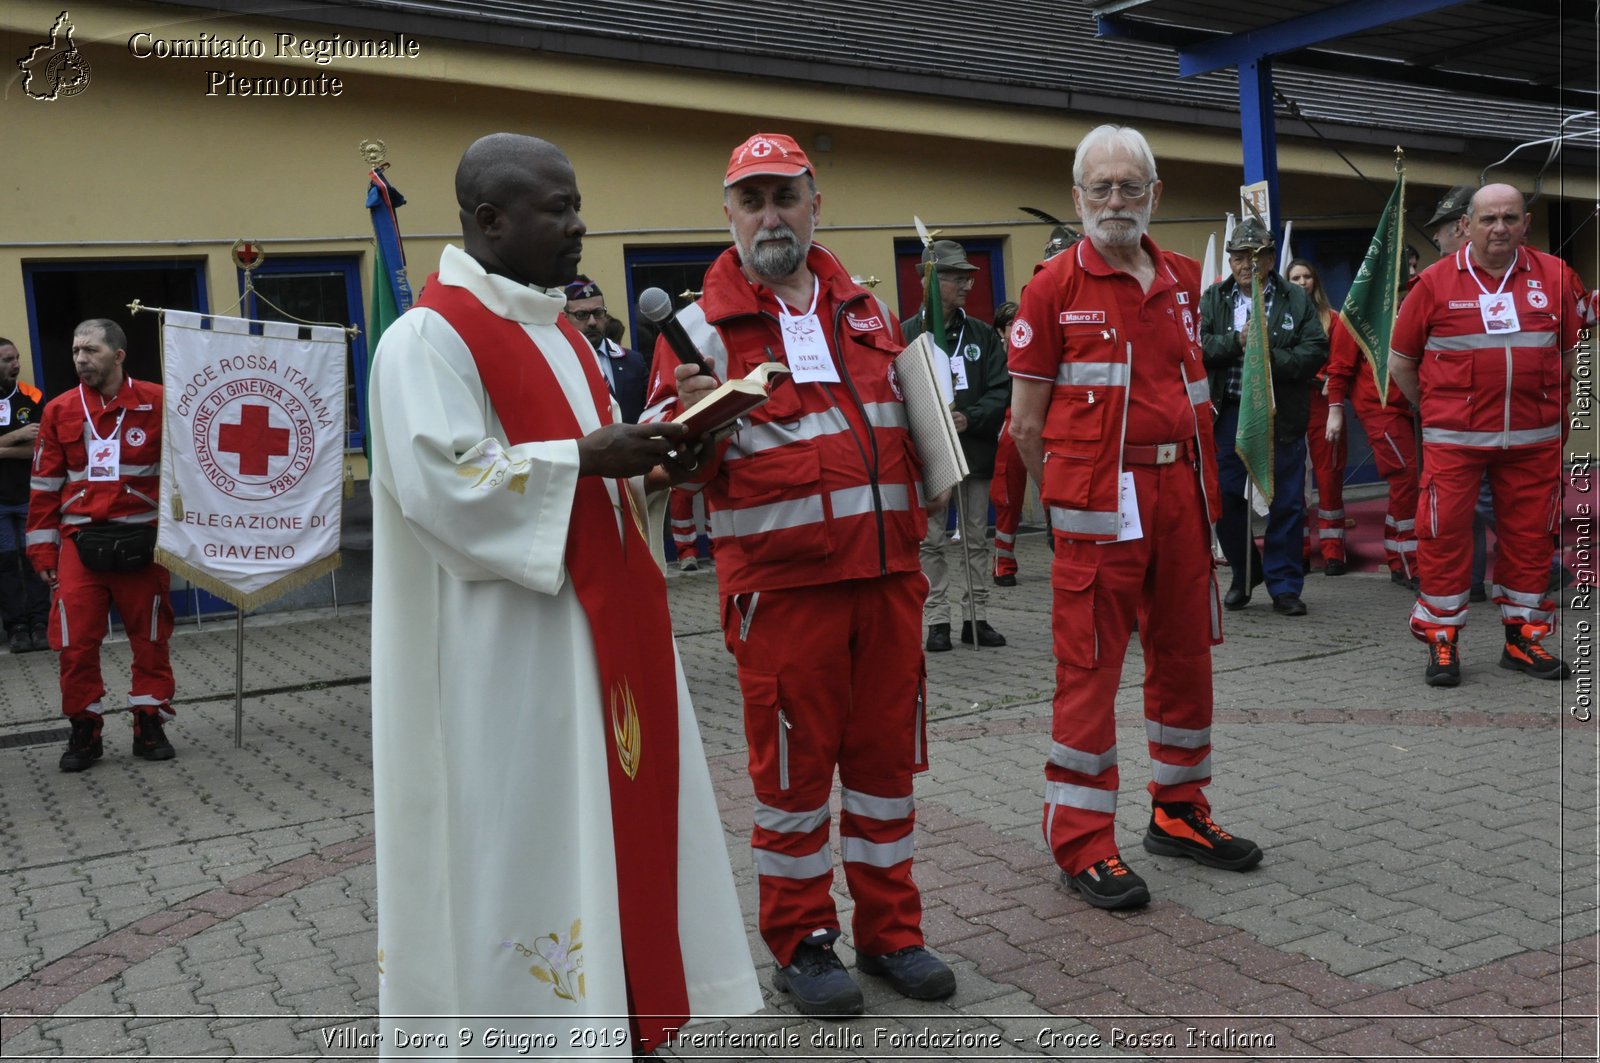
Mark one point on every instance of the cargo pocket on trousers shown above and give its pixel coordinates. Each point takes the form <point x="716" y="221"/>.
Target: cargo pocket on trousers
<point x="1073" y="616"/>
<point x="766" y="728"/>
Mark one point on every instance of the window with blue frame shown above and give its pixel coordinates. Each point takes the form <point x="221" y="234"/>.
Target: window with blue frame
<point x="325" y="289"/>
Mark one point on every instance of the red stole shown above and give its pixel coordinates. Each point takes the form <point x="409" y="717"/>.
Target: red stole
<point x="624" y="595"/>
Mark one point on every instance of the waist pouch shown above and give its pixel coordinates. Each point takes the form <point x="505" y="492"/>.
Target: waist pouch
<point x="116" y="547"/>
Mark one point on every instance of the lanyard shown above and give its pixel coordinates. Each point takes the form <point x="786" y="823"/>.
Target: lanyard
<point x="116" y="430"/>
<point x="1474" y="274"/>
<point x="816" y="289"/>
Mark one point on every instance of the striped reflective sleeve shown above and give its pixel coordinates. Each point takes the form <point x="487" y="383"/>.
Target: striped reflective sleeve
<point x="774" y="516"/>
<point x="1199" y="391"/>
<point x="876" y="854"/>
<point x="1179" y="737"/>
<point x="1084" y="797"/>
<point x="784" y="822"/>
<point x="1474" y="341"/>
<point x="778" y="865"/>
<point x="1084" y="522"/>
<point x="1515" y="438"/>
<point x="1081" y="762"/>
<point x="47" y="483"/>
<point x="1164" y="774"/>
<point x="1092" y="374"/>
<point x="43" y="538"/>
<point x="873" y="807"/>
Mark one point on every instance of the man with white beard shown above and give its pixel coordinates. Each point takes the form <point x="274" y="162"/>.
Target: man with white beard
<point x="1112" y="416"/>
<point x="816" y="511"/>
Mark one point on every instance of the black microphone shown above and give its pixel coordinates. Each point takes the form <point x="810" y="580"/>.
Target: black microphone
<point x="656" y="307"/>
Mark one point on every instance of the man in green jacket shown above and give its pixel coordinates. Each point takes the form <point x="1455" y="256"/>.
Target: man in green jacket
<point x="1299" y="348"/>
<point x="982" y="388"/>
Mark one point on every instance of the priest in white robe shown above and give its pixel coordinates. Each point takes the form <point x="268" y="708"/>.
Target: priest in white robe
<point x="496" y="758"/>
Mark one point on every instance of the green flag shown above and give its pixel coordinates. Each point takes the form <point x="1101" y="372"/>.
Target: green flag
<point x="933" y="306"/>
<point x="1369" y="309"/>
<point x="1253" y="440"/>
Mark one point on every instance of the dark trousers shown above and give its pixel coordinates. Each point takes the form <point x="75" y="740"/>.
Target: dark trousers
<point x="24" y="599"/>
<point x="1285" y="516"/>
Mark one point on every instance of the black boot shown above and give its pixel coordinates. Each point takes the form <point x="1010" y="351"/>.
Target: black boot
<point x="83" y="747"/>
<point x="149" y="740"/>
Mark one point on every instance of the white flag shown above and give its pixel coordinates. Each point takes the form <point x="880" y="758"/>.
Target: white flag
<point x="1209" y="271"/>
<point x="252" y="454"/>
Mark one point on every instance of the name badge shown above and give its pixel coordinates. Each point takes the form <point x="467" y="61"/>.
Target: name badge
<point x="807" y="350"/>
<point x="1128" y="502"/>
<point x="1499" y="312"/>
<point x="5" y="411"/>
<point x="958" y="371"/>
<point x="105" y="458"/>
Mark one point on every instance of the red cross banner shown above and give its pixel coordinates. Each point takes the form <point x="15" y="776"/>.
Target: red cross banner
<point x="252" y="455"/>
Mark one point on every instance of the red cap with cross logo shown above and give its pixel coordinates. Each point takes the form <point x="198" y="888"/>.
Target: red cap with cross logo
<point x="767" y="154"/>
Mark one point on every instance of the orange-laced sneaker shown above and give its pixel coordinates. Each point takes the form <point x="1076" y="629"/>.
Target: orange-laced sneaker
<point x="1110" y="883"/>
<point x="1185" y="830"/>
<point x="1523" y="653"/>
<point x="1444" y="660"/>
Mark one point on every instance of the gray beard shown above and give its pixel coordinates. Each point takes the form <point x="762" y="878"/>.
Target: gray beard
<point x="774" y="260"/>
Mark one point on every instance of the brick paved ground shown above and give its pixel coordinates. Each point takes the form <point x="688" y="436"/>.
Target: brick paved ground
<point x="1429" y="889"/>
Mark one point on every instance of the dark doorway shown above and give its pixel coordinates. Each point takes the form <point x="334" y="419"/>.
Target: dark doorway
<point x="61" y="294"/>
<point x="988" y="293"/>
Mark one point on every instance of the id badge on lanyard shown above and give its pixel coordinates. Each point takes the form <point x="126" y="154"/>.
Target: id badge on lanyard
<point x="805" y="345"/>
<point x="5" y="411"/>
<point x="105" y="459"/>
<point x="1499" y="310"/>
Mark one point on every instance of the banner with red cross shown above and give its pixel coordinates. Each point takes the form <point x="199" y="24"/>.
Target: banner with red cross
<point x="252" y="456"/>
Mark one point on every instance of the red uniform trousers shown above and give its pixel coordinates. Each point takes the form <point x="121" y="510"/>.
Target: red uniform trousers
<point x="1007" y="493"/>
<point x="680" y="504"/>
<point x="1526" y="482"/>
<point x="78" y="620"/>
<point x="1327" y="467"/>
<point x="832" y="675"/>
<point x="1166" y="580"/>
<point x="1393" y="437"/>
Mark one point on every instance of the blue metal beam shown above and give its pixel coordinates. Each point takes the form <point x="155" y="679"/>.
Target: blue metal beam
<point x="1258" y="134"/>
<point x="1304" y="31"/>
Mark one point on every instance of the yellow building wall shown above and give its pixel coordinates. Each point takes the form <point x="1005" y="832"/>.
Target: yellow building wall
<point x="144" y="164"/>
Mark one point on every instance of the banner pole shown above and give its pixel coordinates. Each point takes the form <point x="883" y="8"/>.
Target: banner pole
<point x="238" y="680"/>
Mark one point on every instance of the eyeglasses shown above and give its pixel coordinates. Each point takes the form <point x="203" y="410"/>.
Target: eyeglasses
<point x="584" y="315"/>
<point x="960" y="280"/>
<point x="1132" y="191"/>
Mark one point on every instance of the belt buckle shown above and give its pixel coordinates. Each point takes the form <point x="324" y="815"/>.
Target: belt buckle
<point x="1166" y="453"/>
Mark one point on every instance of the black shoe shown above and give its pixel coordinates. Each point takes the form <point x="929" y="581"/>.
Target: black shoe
<point x="1408" y="582"/>
<point x="987" y="636"/>
<point x="1335" y="566"/>
<point x="1444" y="661"/>
<point x="1288" y="605"/>
<point x="1523" y="653"/>
<point x="19" y="640"/>
<point x="149" y="740"/>
<point x="1008" y="580"/>
<point x="40" y="637"/>
<point x="938" y="638"/>
<point x="1238" y="597"/>
<point x="83" y="746"/>
<point x="817" y="980"/>
<point x="1110" y="883"/>
<point x="1478" y="593"/>
<point x="1184" y="830"/>
<point x="913" y="972"/>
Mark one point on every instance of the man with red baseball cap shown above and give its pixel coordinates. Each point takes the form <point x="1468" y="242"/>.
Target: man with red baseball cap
<point x="817" y="513"/>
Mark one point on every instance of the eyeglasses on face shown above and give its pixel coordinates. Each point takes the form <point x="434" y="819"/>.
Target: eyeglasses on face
<point x="960" y="280"/>
<point x="584" y="315"/>
<point x="1131" y="191"/>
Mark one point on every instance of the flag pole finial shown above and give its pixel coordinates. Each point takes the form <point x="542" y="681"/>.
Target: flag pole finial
<point x="375" y="153"/>
<point x="1399" y="159"/>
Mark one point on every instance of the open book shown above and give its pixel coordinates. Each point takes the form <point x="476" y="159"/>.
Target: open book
<point x="933" y="430"/>
<point x="732" y="400"/>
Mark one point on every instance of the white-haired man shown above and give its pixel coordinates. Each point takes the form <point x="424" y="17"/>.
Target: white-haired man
<point x="1111" y="413"/>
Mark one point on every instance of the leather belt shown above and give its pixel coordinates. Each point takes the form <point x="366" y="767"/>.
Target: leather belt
<point x="1157" y="453"/>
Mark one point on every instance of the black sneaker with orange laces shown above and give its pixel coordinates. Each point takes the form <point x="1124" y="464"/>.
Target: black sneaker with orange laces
<point x="1184" y="830"/>
<point x="1110" y="883"/>
<point x="1444" y="660"/>
<point x="1523" y="653"/>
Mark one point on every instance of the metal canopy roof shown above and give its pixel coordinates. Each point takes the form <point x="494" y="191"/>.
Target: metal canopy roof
<point x="1539" y="51"/>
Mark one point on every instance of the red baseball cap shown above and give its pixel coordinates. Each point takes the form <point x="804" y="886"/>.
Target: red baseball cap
<point x="767" y="154"/>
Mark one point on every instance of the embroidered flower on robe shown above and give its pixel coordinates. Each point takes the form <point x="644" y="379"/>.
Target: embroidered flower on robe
<point x="560" y="953"/>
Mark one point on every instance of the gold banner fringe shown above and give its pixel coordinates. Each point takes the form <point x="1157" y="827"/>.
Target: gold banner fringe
<point x="210" y="583"/>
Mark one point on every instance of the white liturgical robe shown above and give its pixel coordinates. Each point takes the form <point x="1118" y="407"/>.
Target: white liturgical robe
<point x="497" y="900"/>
